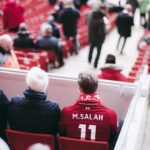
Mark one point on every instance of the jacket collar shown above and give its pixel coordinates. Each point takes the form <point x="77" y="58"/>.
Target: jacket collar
<point x="34" y="95"/>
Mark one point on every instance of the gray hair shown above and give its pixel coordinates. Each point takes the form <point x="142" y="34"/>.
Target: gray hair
<point x="37" y="79"/>
<point x="39" y="146"/>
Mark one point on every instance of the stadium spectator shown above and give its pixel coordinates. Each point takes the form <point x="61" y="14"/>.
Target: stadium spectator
<point x="3" y="145"/>
<point x="96" y="32"/>
<point x="48" y="42"/>
<point x="142" y="6"/>
<point x="39" y="146"/>
<point x="7" y="56"/>
<point x="110" y="71"/>
<point x="134" y="4"/>
<point x="33" y="112"/>
<point x="56" y="32"/>
<point x="69" y="17"/>
<point x="23" y="39"/>
<point x="124" y="23"/>
<point x="3" y="114"/>
<point x="12" y="15"/>
<point x="89" y="118"/>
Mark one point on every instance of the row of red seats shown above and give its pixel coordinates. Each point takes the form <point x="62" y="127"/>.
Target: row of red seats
<point x="41" y="58"/>
<point x="23" y="140"/>
<point x="142" y="59"/>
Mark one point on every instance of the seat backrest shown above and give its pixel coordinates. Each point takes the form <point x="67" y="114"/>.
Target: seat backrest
<point x="19" y="140"/>
<point x="66" y="143"/>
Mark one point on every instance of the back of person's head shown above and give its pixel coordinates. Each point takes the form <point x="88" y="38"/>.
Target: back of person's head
<point x="47" y="30"/>
<point x="6" y="42"/>
<point x="22" y="27"/>
<point x="3" y="145"/>
<point x="39" y="146"/>
<point x="128" y="7"/>
<point x="88" y="83"/>
<point x="110" y="59"/>
<point x="95" y="4"/>
<point x="37" y="79"/>
<point x="68" y="3"/>
<point x="50" y="18"/>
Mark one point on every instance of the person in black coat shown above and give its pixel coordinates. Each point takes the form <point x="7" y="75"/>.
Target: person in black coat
<point x="3" y="114"/>
<point x="96" y="32"/>
<point x="33" y="112"/>
<point x="69" y="18"/>
<point x="124" y="23"/>
<point x="23" y="40"/>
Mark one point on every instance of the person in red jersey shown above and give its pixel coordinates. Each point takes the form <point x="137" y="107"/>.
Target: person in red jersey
<point x="12" y="15"/>
<point x="110" y="71"/>
<point x="89" y="118"/>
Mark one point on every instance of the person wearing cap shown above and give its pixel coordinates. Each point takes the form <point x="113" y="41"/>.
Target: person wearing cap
<point x="23" y="39"/>
<point x="124" y="22"/>
<point x="48" y="42"/>
<point x="8" y="58"/>
<point x="33" y="112"/>
<point x="110" y="71"/>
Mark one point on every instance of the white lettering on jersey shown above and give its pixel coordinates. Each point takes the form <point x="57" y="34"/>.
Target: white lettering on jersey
<point x="98" y="117"/>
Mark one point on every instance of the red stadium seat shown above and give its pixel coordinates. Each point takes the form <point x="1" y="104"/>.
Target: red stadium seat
<point x="66" y="143"/>
<point x="19" y="140"/>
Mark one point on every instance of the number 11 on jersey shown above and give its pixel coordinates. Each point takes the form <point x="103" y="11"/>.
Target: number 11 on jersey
<point x="83" y="131"/>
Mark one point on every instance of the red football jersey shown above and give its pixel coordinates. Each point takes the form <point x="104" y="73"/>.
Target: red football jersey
<point x="88" y="119"/>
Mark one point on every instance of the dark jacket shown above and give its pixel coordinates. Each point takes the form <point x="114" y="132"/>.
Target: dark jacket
<point x="48" y="43"/>
<point x="3" y="108"/>
<point x="32" y="113"/>
<point x="23" y="40"/>
<point x="124" y="23"/>
<point x="96" y="28"/>
<point x="69" y="17"/>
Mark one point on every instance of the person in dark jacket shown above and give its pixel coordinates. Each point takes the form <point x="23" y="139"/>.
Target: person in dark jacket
<point x="110" y="71"/>
<point x="96" y="32"/>
<point x="12" y="15"/>
<point x="69" y="17"/>
<point x="33" y="112"/>
<point x="124" y="23"/>
<point x="3" y="114"/>
<point x="23" y="40"/>
<point x="48" y="42"/>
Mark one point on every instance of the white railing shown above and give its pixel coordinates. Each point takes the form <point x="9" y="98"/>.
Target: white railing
<point x="131" y="135"/>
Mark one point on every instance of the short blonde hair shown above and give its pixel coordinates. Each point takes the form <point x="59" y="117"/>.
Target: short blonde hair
<point x="37" y="79"/>
<point x="6" y="42"/>
<point x="39" y="146"/>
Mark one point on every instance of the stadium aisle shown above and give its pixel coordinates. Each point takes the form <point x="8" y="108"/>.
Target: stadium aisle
<point x="77" y="63"/>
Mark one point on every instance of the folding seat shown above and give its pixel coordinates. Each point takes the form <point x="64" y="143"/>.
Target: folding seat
<point x="28" y="62"/>
<point x="66" y="143"/>
<point x="19" y="140"/>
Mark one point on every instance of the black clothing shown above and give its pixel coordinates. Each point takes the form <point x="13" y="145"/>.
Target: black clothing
<point x="124" y="23"/>
<point x="3" y="114"/>
<point x="23" y="40"/>
<point x="32" y="113"/>
<point x="69" y="17"/>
